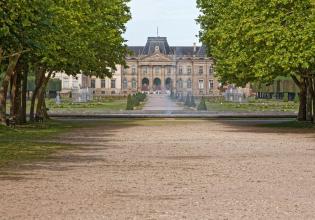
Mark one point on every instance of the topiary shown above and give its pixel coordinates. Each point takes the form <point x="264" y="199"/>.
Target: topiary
<point x="202" y="105"/>
<point x="130" y="104"/>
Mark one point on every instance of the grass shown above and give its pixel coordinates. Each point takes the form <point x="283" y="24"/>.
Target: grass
<point x="105" y="104"/>
<point x="108" y="104"/>
<point x="253" y="106"/>
<point x="32" y="142"/>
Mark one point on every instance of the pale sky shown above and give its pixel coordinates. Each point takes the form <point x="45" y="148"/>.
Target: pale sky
<point x="175" y="19"/>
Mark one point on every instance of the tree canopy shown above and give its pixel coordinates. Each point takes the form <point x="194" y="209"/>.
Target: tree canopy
<point x="258" y="40"/>
<point x="71" y="36"/>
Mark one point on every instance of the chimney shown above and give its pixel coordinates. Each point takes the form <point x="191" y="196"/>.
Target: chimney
<point x="195" y="47"/>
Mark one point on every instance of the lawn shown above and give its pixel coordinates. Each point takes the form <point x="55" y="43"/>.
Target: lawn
<point x="32" y="141"/>
<point x="96" y="105"/>
<point x="253" y="106"/>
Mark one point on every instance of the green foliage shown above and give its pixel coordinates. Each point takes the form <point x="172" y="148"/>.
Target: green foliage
<point x="135" y="100"/>
<point x="286" y="97"/>
<point x="130" y="103"/>
<point x="202" y="105"/>
<point x="70" y="36"/>
<point x="258" y="40"/>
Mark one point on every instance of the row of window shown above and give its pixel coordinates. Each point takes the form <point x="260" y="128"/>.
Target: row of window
<point x="133" y="84"/>
<point x="180" y="84"/>
<point x="103" y="84"/>
<point x="157" y="70"/>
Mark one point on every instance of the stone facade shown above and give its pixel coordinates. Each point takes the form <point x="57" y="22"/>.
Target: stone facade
<point x="157" y="67"/>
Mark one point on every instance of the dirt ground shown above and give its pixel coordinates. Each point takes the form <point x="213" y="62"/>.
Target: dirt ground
<point x="169" y="169"/>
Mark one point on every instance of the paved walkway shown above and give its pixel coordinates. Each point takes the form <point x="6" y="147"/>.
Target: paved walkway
<point x="161" y="103"/>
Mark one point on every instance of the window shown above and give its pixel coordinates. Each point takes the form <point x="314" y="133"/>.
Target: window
<point x="134" y="84"/>
<point x="124" y="71"/>
<point x="144" y="70"/>
<point x="211" y="85"/>
<point x="113" y="84"/>
<point x="169" y="70"/>
<point x="211" y="71"/>
<point x="201" y="86"/>
<point x="103" y="83"/>
<point x="157" y="69"/>
<point x="133" y="70"/>
<point x="180" y="70"/>
<point x="93" y="83"/>
<point x="200" y="71"/>
<point x="125" y="84"/>
<point x="189" y="84"/>
<point x="189" y="70"/>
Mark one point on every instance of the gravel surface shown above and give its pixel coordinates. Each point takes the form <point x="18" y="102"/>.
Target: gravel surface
<point x="169" y="169"/>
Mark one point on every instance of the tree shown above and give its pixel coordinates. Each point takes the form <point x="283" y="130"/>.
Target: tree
<point x="259" y="40"/>
<point x="45" y="37"/>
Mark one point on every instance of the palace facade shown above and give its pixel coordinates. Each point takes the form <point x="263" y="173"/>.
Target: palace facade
<point x="155" y="68"/>
<point x="158" y="67"/>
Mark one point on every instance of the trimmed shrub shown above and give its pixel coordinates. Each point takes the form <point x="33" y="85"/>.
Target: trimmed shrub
<point x="202" y="105"/>
<point x="130" y="104"/>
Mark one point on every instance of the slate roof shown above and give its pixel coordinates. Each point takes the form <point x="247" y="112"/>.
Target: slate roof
<point x="164" y="47"/>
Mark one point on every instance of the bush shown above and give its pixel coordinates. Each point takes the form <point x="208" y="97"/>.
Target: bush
<point x="135" y="100"/>
<point x="192" y="101"/>
<point x="130" y="104"/>
<point x="202" y="105"/>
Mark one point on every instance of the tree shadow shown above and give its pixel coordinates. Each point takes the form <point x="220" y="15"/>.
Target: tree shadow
<point x="82" y="148"/>
<point x="276" y="126"/>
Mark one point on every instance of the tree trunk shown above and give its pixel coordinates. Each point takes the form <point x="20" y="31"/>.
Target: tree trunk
<point x="5" y="84"/>
<point x="41" y="105"/>
<point x="1" y="55"/>
<point x="16" y="93"/>
<point x="24" y="92"/>
<point x="309" y="103"/>
<point x="40" y="74"/>
<point x="303" y="90"/>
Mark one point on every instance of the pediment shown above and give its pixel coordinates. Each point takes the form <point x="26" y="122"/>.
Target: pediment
<point x="156" y="57"/>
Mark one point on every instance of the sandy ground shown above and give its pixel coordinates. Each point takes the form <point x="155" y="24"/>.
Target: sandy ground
<point x="169" y="169"/>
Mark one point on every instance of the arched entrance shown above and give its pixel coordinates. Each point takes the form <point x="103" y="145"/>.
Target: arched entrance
<point x="145" y="84"/>
<point x="168" y="84"/>
<point x="156" y="84"/>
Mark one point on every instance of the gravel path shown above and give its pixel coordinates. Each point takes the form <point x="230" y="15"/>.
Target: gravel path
<point x="169" y="169"/>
